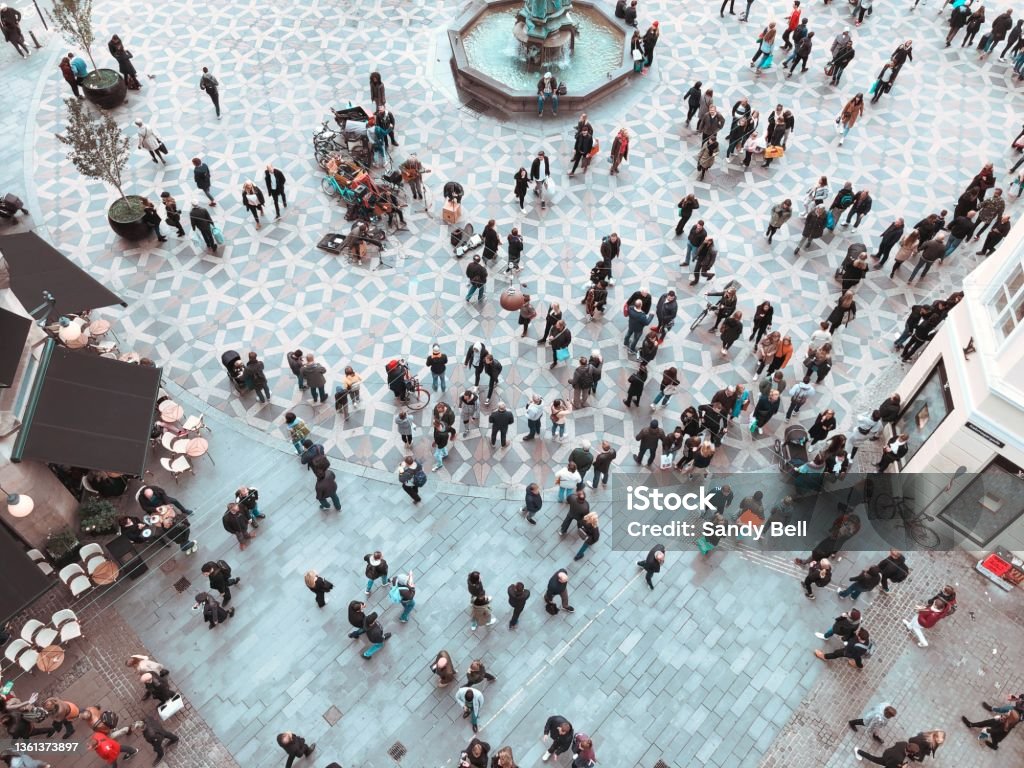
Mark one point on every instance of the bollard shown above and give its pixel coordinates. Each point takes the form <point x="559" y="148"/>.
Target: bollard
<point x="34" y="41"/>
<point x="41" y="18"/>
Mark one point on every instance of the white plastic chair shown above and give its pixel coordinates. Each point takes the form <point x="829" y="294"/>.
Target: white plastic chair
<point x="173" y="443"/>
<point x="38" y="634"/>
<point x="177" y="466"/>
<point x="194" y="424"/>
<point x="22" y="654"/>
<point x="40" y="560"/>
<point x="88" y="487"/>
<point x="75" y="579"/>
<point x="92" y="557"/>
<point x="66" y="622"/>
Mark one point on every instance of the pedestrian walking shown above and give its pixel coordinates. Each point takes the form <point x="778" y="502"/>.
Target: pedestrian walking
<point x="650" y="437"/>
<point x="865" y="581"/>
<point x="620" y="150"/>
<point x="443" y="434"/>
<point x="403" y="591"/>
<point x="589" y="532"/>
<point x="319" y="586"/>
<point x="294" y="746"/>
<point x="479" y="605"/>
<point x="253" y="200"/>
<point x="376" y="568"/>
<point x="213" y="612"/>
<point x="106" y="748"/>
<point x="844" y="626"/>
<point x="732" y="329"/>
<point x="841" y="58"/>
<point x="356" y="618"/>
<point x="156" y="687"/>
<point x="236" y="522"/>
<point x="874" y="720"/>
<point x="706" y="157"/>
<point x="899" y="754"/>
<point x="908" y="247"/>
<point x="781" y="213"/>
<point x="10" y="25"/>
<point x="375" y="634"/>
<point x="860" y="207"/>
<point x="171" y="213"/>
<point x="210" y="84"/>
<point x="685" y="208"/>
<point x="327" y="490"/>
<point x="472" y="701"/>
<point x="444" y="668"/>
<point x="315" y="376"/>
<point x="995" y="236"/>
<point x="559" y="731"/>
<point x="990" y="210"/>
<point x="890" y="237"/>
<point x="926" y="617"/>
<point x="149" y="141"/>
<point x="798" y="395"/>
<point x="124" y="63"/>
<point x="152" y="219"/>
<point x="476" y="273"/>
<point x="766" y="408"/>
<point x="274" y="180"/>
<point x="477" y="673"/>
<point x="155" y="735"/>
<point x="818" y="363"/>
<point x="518" y="594"/>
<point x="854" y="650"/>
<point x="201" y="176"/>
<point x="200" y="220"/>
<point x="63" y="713"/>
<point x="765" y="46"/>
<point x="668" y="387"/>
<point x="652" y="563"/>
<point x="995" y="729"/>
<point x="814" y="227"/>
<point x="558" y="586"/>
<point x="893" y="568"/>
<point x="709" y="124"/>
<point x="843" y="312"/>
<point x="540" y="173"/>
<point x="802" y="52"/>
<point x="255" y="378"/>
<point x="221" y="580"/>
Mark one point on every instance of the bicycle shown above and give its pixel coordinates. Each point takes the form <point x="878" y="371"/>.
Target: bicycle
<point x="417" y="397"/>
<point x="704" y="313"/>
<point x="886" y="507"/>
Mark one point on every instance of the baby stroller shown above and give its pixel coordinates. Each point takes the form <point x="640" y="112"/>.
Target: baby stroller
<point x="232" y="362"/>
<point x="854" y="252"/>
<point x="791" y="451"/>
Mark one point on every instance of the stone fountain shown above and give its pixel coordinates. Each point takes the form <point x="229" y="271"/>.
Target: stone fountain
<point x="500" y="48"/>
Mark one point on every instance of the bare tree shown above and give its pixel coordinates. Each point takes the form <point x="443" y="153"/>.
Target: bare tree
<point x="96" y="144"/>
<point x="74" y="19"/>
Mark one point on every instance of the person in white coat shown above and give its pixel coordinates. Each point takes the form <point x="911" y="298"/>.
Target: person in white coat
<point x="149" y="141"/>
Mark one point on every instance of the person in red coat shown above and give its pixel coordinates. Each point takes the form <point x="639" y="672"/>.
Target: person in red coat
<point x="929" y="615"/>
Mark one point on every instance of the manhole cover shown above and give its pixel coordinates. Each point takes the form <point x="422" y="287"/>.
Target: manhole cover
<point x="332" y="716"/>
<point x="397" y="751"/>
<point x="182" y="584"/>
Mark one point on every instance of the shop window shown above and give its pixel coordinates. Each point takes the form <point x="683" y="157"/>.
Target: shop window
<point x="923" y="413"/>
<point x="1007" y="304"/>
<point x="992" y="501"/>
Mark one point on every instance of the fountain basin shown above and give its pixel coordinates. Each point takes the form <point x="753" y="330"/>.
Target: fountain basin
<point x="488" y="64"/>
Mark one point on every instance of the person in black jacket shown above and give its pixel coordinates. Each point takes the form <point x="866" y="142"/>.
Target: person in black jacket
<point x="685" y="209"/>
<point x="220" y="580"/>
<point x="844" y="626"/>
<point x="995" y="729"/>
<point x="199" y="219"/>
<point x="893" y="568"/>
<point x="865" y="581"/>
<point x="319" y="586"/>
<point x="493" y="370"/>
<point x="156" y="688"/>
<point x="274" y="180"/>
<point x="213" y="612"/>
<point x="692" y="97"/>
<point x="152" y="219"/>
<point x="477" y="275"/>
<point x="561" y="337"/>
<point x="155" y="735"/>
<point x="540" y="172"/>
<point x="558" y="585"/>
<point x="406" y="594"/>
<point x="895" y="756"/>
<point x="590" y="532"/>
<point x="840" y="61"/>
<point x="819" y="574"/>
<point x="653" y="562"/>
<point x="559" y="730"/>
<point x="327" y="490"/>
<point x="492" y="240"/>
<point x="236" y="522"/>
<point x="515" y="250"/>
<point x="889" y="410"/>
<point x="923" y="333"/>
<point x="376" y="568"/>
<point x="584" y="144"/>
<point x="517" y="597"/>
<point x="356" y="618"/>
<point x="475" y="754"/>
<point x="294" y="746"/>
<point x="375" y="634"/>
<point x="500" y="421"/>
<point x="521" y="182"/>
<point x="861" y="206"/>
<point x="437" y="362"/>
<point x="854" y="649"/>
<point x="890" y="237"/>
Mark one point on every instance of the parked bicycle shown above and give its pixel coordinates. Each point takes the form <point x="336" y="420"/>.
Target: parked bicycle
<point x="886" y="507"/>
<point x="418" y="397"/>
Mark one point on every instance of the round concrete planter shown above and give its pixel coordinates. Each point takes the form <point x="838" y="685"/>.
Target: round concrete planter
<point x="105" y="88"/>
<point x="126" y="218"/>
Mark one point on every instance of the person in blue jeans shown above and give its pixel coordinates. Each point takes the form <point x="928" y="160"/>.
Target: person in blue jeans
<point x="297" y="431"/>
<point x="437" y="362"/>
<point x="865" y="581"/>
<point x="589" y="529"/>
<point x="476" y="273"/>
<point x="603" y="463"/>
<point x="472" y="701"/>
<point x="547" y="89"/>
<point x="375" y="634"/>
<point x="327" y="490"/>
<point x="316" y="378"/>
<point x="1015" y="703"/>
<point x="407" y="593"/>
<point x="376" y="568"/>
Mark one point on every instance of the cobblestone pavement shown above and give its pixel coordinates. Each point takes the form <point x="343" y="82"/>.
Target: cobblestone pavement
<point x="273" y="291"/>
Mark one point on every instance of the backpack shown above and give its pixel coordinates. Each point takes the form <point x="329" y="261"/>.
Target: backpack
<point x="395" y="594"/>
<point x="869" y="649"/>
<point x="419" y="479"/>
<point x="224" y="567"/>
<point x="109" y="719"/>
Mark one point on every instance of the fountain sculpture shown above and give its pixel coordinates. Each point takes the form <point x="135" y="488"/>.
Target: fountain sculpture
<point x="545" y="27"/>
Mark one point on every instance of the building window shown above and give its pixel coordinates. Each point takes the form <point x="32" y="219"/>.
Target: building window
<point x="923" y="413"/>
<point x="1007" y="304"/>
<point x="991" y="502"/>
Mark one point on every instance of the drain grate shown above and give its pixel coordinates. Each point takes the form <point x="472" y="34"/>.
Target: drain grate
<point x="332" y="716"/>
<point x="397" y="751"/>
<point x="661" y="764"/>
<point x="182" y="584"/>
<point x="478" y="106"/>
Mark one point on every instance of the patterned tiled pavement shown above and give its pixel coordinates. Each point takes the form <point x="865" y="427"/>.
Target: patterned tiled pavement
<point x="752" y="692"/>
<point x="273" y="291"/>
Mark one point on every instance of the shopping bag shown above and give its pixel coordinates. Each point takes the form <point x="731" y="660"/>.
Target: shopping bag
<point x="666" y="460"/>
<point x="773" y="151"/>
<point x="218" y="236"/>
<point x="597" y="148"/>
<point x="562" y="354"/>
<point x="704" y="545"/>
<point x="873" y="88"/>
<point x="830" y="221"/>
<point x="171" y="707"/>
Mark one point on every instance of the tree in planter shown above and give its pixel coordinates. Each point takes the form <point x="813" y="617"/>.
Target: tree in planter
<point x="97" y="517"/>
<point x="74" y="19"/>
<point x="98" y="149"/>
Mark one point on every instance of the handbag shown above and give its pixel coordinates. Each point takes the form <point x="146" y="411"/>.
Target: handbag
<point x="171" y="707"/>
<point x="162" y="149"/>
<point x="773" y="151"/>
<point x="873" y="88"/>
<point x="830" y="220"/>
<point x="218" y="236"/>
<point x="562" y="353"/>
<point x="625" y="309"/>
<point x="767" y="61"/>
<point x="666" y="460"/>
<point x="562" y="90"/>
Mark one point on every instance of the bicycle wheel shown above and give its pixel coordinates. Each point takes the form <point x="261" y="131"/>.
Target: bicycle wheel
<point x="885" y="507"/>
<point x="327" y="185"/>
<point x="419" y="399"/>
<point x="922" y="534"/>
<point x="699" y="319"/>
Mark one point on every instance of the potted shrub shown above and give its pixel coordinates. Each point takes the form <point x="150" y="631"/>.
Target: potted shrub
<point x="97" y="517"/>
<point x="62" y="547"/>
<point x="103" y="87"/>
<point x="99" y="150"/>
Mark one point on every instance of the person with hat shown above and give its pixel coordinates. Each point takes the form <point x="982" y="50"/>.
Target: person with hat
<point x="437" y="362"/>
<point x="547" y="89"/>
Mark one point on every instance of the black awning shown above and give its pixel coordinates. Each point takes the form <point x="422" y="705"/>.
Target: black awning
<point x="89" y="411"/>
<point x="13" y="332"/>
<point x="37" y="266"/>
<point x="21" y="581"/>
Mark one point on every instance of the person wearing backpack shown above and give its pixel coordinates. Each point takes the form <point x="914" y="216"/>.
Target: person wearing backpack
<point x="894" y="568"/>
<point x="213" y="612"/>
<point x="856" y="649"/>
<point x="297" y="431"/>
<point x="865" y="581"/>
<point x="319" y="586"/>
<point x="412" y="477"/>
<point x="844" y="626"/>
<point x="403" y="592"/>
